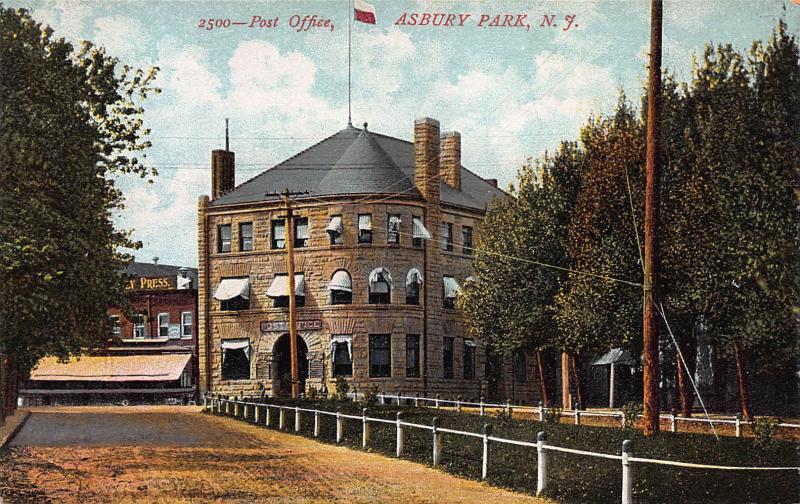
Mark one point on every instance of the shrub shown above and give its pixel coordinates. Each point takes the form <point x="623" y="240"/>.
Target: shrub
<point x="630" y="412"/>
<point x="764" y="430"/>
<point x="552" y="416"/>
<point x="371" y="396"/>
<point x="342" y="388"/>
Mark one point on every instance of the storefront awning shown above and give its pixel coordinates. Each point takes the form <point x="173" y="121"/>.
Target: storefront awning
<point x="451" y="288"/>
<point x="279" y="287"/>
<point x="335" y="225"/>
<point x="230" y="288"/>
<point x="418" y="229"/>
<point x="341" y="281"/>
<point x="113" y="368"/>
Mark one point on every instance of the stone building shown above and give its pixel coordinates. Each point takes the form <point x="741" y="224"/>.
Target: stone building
<point x="384" y="230"/>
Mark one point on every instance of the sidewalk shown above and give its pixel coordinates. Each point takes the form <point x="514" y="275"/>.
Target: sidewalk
<point x="12" y="425"/>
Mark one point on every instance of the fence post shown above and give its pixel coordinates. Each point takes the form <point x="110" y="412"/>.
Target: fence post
<point x="205" y="402"/>
<point x="437" y="401"/>
<point x="508" y="406"/>
<point x="487" y="431"/>
<point x="627" y="472"/>
<point x="245" y="411"/>
<point x="416" y="401"/>
<point x="297" y="419"/>
<point x="236" y="407"/>
<point x="281" y="418"/>
<point x="339" y="426"/>
<point x="458" y="404"/>
<point x="738" y="425"/>
<point x="483" y="412"/>
<point x="397" y="393"/>
<point x="622" y="420"/>
<point x="255" y="414"/>
<point x="383" y="399"/>
<point x="541" y="457"/>
<point x="541" y="411"/>
<point x="227" y="406"/>
<point x="401" y="434"/>
<point x="437" y="442"/>
<point x="577" y="417"/>
<point x="365" y="427"/>
<point x="268" y="417"/>
<point x="316" y="423"/>
<point x="673" y="426"/>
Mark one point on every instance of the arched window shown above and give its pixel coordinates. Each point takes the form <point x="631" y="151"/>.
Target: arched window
<point x="341" y="288"/>
<point x="413" y="284"/>
<point x="380" y="286"/>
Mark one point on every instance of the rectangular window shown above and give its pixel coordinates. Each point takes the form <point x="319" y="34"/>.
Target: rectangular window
<point x="224" y="238"/>
<point x="301" y="232"/>
<point x="449" y="295"/>
<point x="447" y="236"/>
<point x="364" y="228"/>
<point x="246" y="236"/>
<point x="466" y="238"/>
<point x="393" y="229"/>
<point x="380" y="355"/>
<point x="234" y="304"/>
<point x="163" y="325"/>
<point x="236" y="359"/>
<point x="278" y="234"/>
<point x="469" y="360"/>
<point x="447" y="357"/>
<point x="342" y="359"/>
<point x="412" y="293"/>
<point x="520" y="374"/>
<point x="282" y="301"/>
<point x="336" y="230"/>
<point x="139" y="326"/>
<point x="412" y="356"/>
<point x="116" y="326"/>
<point x="186" y="324"/>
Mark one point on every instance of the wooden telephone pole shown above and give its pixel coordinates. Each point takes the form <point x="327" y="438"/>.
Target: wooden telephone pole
<point x="650" y="325"/>
<point x="289" y="234"/>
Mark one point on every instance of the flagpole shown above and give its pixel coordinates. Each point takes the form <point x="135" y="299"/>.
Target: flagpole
<point x="349" y="60"/>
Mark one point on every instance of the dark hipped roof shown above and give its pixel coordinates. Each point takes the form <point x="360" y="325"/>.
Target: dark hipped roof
<point x="355" y="161"/>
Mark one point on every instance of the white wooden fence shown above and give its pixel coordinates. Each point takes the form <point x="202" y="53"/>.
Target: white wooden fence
<point x="541" y="411"/>
<point x="239" y="408"/>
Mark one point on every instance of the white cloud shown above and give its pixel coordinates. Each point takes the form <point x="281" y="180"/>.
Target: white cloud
<point x="123" y="37"/>
<point x="66" y="17"/>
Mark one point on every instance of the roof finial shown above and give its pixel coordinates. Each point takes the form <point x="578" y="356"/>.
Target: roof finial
<point x="365" y="125"/>
<point x="226" y="134"/>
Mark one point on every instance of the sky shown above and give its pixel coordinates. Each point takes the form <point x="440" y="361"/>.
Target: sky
<point x="513" y="93"/>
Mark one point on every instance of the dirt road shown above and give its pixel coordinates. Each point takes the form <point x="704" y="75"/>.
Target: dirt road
<point x="173" y="454"/>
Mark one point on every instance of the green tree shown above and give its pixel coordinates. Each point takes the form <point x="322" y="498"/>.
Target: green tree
<point x="70" y="123"/>
<point x="510" y="304"/>
<point x="593" y="313"/>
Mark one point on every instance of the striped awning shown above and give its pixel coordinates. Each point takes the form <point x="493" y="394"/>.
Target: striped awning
<point x="113" y="368"/>
<point x="280" y="288"/>
<point x="451" y="288"/>
<point x="230" y="288"/>
<point x="341" y="281"/>
<point x="418" y="229"/>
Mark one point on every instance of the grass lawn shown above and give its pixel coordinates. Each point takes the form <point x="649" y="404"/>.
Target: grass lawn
<point x="577" y="478"/>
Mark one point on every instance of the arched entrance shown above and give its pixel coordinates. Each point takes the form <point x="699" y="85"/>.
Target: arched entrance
<point x="281" y="353"/>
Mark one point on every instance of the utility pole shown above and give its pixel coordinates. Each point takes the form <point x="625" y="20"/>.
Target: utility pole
<point x="289" y="234"/>
<point x="650" y="325"/>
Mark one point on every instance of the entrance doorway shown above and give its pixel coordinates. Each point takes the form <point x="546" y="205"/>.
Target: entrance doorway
<point x="282" y="354"/>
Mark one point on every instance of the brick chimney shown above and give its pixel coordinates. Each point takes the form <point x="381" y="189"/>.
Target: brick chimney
<point x="451" y="159"/>
<point x="426" y="157"/>
<point x="223" y="174"/>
